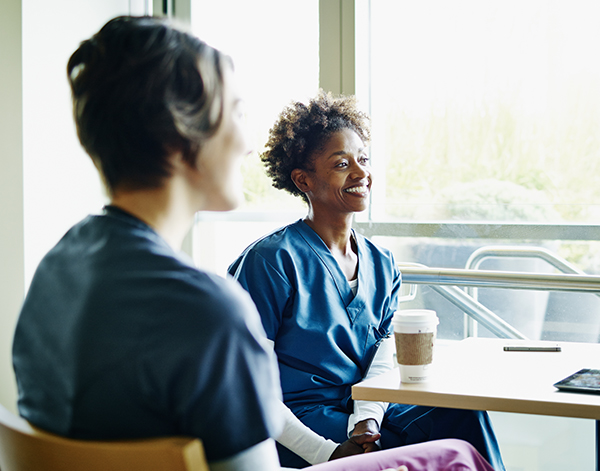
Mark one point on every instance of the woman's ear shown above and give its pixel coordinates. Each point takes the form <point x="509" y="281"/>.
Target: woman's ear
<point x="300" y="179"/>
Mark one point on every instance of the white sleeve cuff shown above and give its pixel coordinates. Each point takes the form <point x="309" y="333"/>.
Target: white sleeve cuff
<point x="383" y="361"/>
<point x="302" y="440"/>
<point x="364" y="410"/>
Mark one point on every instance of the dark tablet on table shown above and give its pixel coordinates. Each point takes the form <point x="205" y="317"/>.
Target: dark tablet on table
<point x="585" y="380"/>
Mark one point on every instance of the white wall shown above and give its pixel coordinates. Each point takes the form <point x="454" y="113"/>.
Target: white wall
<point x="61" y="185"/>
<point x="47" y="183"/>
<point x="11" y="190"/>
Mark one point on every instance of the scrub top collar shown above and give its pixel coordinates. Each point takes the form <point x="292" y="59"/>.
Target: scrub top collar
<point x="116" y="212"/>
<point x="128" y="218"/>
<point x="354" y="303"/>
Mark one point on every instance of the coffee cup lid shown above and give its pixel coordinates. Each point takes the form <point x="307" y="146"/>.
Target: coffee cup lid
<point x="416" y="316"/>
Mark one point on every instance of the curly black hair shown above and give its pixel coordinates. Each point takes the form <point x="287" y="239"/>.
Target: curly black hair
<point x="302" y="129"/>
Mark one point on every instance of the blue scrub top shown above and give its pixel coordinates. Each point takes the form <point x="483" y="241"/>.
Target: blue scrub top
<point x="325" y="336"/>
<point x="121" y="337"/>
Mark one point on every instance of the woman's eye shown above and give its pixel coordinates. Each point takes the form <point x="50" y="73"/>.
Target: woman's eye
<point x="342" y="164"/>
<point x="364" y="160"/>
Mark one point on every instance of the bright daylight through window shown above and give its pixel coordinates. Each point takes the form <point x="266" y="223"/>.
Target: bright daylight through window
<point x="275" y="49"/>
<point x="487" y="110"/>
<point x="485" y="118"/>
<point x="482" y="112"/>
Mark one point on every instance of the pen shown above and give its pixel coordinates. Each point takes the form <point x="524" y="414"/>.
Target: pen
<point x="555" y="348"/>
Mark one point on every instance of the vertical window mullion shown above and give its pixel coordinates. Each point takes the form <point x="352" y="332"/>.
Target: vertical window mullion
<point x="337" y="46"/>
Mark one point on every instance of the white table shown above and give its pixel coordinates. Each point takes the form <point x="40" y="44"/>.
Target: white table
<point x="478" y="374"/>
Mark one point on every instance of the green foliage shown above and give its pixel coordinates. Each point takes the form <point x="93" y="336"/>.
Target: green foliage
<point x="532" y="167"/>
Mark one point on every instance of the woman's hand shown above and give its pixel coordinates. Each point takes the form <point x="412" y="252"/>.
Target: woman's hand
<point x="347" y="448"/>
<point x="368" y="430"/>
<point x="363" y="439"/>
<point x="355" y="445"/>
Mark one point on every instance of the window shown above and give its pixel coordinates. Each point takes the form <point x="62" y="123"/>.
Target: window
<point x="275" y="49"/>
<point x="459" y="93"/>
<point x="483" y="113"/>
<point x="487" y="113"/>
<point x="486" y="110"/>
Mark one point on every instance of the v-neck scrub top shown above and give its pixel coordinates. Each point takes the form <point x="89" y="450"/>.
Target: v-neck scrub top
<point x="325" y="336"/>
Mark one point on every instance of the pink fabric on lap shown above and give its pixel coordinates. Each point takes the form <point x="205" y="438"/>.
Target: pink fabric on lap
<point x="436" y="455"/>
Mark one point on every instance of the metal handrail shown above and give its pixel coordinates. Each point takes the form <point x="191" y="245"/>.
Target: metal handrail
<point x="446" y="282"/>
<point x="480" y="230"/>
<point x="471" y="307"/>
<point x="512" y="251"/>
<point x="501" y="279"/>
<point x="477" y="311"/>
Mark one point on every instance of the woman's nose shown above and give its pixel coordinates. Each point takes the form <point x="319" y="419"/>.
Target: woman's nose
<point x="360" y="171"/>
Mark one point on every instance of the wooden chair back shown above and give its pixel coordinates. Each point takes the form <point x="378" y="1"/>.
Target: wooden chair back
<point x="27" y="448"/>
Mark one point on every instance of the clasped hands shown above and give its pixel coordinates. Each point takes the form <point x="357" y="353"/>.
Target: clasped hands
<point x="363" y="439"/>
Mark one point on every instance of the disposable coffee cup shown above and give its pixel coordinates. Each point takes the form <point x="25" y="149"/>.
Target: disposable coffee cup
<point x="415" y="332"/>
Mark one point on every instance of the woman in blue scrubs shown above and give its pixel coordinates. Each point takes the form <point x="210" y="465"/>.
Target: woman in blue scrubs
<point x="326" y="295"/>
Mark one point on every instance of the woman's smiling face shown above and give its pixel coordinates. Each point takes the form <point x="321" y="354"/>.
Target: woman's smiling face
<point x="340" y="177"/>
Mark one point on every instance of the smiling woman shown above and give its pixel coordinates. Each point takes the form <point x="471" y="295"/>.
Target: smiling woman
<point x="297" y="140"/>
<point x="326" y="295"/>
<point x="339" y="180"/>
<point x="341" y="167"/>
<point x="323" y="145"/>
